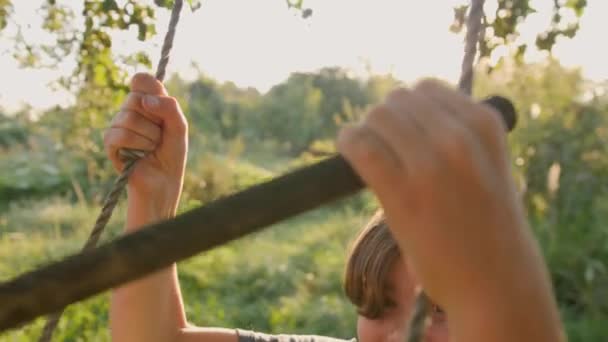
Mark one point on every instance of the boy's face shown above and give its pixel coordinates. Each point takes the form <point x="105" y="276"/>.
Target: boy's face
<point x="392" y="325"/>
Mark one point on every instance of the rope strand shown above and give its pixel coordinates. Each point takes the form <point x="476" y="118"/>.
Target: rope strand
<point x="418" y="322"/>
<point x="465" y="84"/>
<point x="130" y="157"/>
<point x="168" y="43"/>
<point x="474" y="28"/>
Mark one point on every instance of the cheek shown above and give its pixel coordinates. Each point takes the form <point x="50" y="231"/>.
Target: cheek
<point x="369" y="330"/>
<point x="438" y="332"/>
<point x="381" y="330"/>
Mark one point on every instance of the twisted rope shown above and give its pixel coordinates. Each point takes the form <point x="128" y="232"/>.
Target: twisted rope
<point x="168" y="43"/>
<point x="474" y="27"/>
<point x="465" y="84"/>
<point x="130" y="158"/>
<point x="421" y="308"/>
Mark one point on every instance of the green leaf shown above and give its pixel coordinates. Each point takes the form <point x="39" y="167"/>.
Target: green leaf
<point x="164" y="3"/>
<point x="577" y="5"/>
<point x="295" y="3"/>
<point x="194" y="5"/>
<point x="5" y="10"/>
<point x="109" y="5"/>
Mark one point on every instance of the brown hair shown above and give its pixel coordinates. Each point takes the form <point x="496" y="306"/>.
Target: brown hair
<point x="370" y="259"/>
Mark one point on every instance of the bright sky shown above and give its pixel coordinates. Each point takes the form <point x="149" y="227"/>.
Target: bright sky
<point x="258" y="43"/>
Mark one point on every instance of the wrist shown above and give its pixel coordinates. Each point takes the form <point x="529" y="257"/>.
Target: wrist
<point x="508" y="314"/>
<point x="145" y="208"/>
<point x="519" y="297"/>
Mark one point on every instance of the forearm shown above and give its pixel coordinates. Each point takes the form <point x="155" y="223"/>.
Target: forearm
<point x="515" y="304"/>
<point x="507" y="319"/>
<point x="149" y="309"/>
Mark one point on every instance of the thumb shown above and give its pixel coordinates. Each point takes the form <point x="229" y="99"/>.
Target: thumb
<point x="156" y="103"/>
<point x="165" y="109"/>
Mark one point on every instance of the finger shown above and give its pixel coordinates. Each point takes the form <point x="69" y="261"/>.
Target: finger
<point x="374" y="161"/>
<point x="441" y="131"/>
<point x="395" y="127"/>
<point x="162" y="110"/>
<point x="147" y="84"/>
<point x="167" y="110"/>
<point x="483" y="120"/>
<point x="134" y="102"/>
<point x="121" y="138"/>
<point x="412" y="137"/>
<point x="422" y="113"/>
<point x="138" y="124"/>
<point x="443" y="144"/>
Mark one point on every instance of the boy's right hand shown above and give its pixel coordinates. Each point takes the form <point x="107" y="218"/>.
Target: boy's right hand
<point x="438" y="163"/>
<point x="152" y="122"/>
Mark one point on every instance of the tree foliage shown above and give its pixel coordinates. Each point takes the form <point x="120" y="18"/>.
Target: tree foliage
<point x="559" y="155"/>
<point x="561" y="160"/>
<point x="503" y="24"/>
<point x="97" y="63"/>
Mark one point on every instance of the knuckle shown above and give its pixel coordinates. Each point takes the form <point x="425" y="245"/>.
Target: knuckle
<point x="173" y="106"/>
<point x="365" y="149"/>
<point x="456" y="147"/>
<point x="121" y="137"/>
<point x="365" y="155"/>
<point x="140" y="77"/>
<point x="181" y="124"/>
<point x="366" y="152"/>
<point x="379" y="113"/>
<point x="488" y="121"/>
<point x="130" y="119"/>
<point x="126" y="119"/>
<point x="172" y="102"/>
<point x="132" y="100"/>
<point x="429" y="84"/>
<point x="397" y="95"/>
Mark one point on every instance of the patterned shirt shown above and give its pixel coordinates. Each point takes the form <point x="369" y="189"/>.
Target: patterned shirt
<point x="254" y="336"/>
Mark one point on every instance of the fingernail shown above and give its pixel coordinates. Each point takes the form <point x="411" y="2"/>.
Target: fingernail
<point x="151" y="102"/>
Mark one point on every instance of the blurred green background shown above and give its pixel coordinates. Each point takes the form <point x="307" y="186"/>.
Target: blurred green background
<point x="54" y="175"/>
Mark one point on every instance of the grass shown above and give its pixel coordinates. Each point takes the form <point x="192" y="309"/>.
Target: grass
<point x="285" y="279"/>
